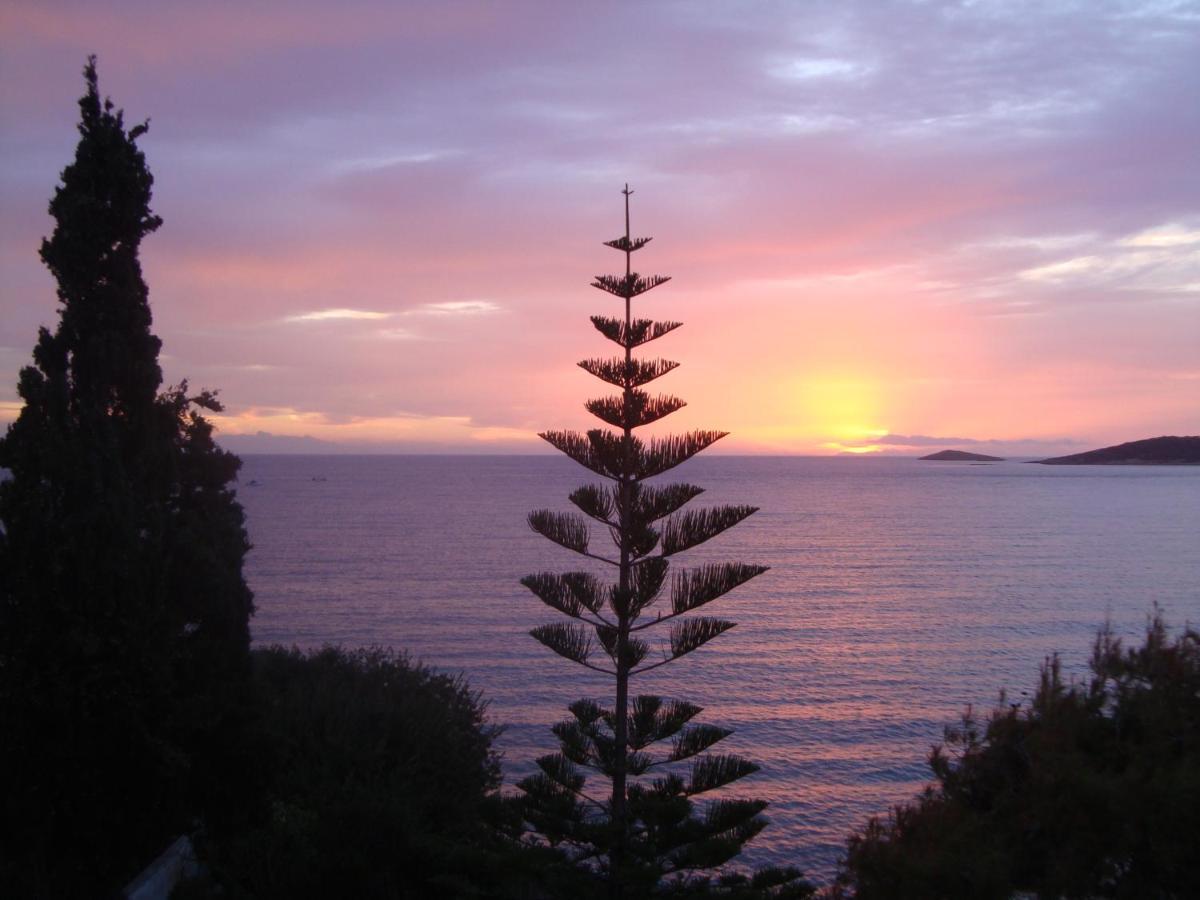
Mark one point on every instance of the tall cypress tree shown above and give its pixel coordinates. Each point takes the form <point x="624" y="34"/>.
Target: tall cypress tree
<point x="644" y="832"/>
<point x="124" y="635"/>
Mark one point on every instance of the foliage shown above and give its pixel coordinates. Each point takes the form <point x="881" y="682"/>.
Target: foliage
<point x="645" y="833"/>
<point x="380" y="782"/>
<point x="1091" y="791"/>
<point x="124" y="632"/>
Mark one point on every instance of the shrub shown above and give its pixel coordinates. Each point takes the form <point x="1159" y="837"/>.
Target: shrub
<point x="381" y="778"/>
<point x="1091" y="791"/>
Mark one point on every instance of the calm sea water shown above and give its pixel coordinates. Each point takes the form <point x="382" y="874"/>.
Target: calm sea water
<point x="899" y="592"/>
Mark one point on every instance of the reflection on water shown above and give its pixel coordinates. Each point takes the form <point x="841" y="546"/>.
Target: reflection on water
<point x="899" y="591"/>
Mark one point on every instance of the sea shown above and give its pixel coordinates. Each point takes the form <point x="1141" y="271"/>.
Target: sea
<point x="900" y="593"/>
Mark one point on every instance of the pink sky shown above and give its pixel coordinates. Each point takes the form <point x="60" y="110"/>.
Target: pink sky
<point x="890" y="226"/>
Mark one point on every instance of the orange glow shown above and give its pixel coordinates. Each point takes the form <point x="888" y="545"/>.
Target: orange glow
<point x="856" y="450"/>
<point x="365" y="431"/>
<point x="840" y="406"/>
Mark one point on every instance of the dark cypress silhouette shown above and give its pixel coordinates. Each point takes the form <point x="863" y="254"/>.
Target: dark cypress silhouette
<point x="124" y="635"/>
<point x="645" y="832"/>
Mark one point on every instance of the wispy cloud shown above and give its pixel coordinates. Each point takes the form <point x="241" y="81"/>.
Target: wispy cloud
<point x="390" y="160"/>
<point x="923" y="440"/>
<point x="1160" y="260"/>
<point x="1173" y="235"/>
<point x="440" y="308"/>
<point x="812" y="68"/>
<point x="399" y="334"/>
<point x="918" y="443"/>
<point x="326" y="315"/>
<point x="1063" y="270"/>
<point x="455" y="308"/>
<point x="1046" y="242"/>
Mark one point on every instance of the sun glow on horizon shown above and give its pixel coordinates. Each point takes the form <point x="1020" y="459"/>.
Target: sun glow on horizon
<point x="856" y="450"/>
<point x="840" y="411"/>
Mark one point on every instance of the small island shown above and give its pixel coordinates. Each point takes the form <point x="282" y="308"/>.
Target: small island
<point x="1159" y="451"/>
<point x="961" y="456"/>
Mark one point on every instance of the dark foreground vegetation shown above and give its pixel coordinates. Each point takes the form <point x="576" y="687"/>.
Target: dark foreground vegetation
<point x="124" y="616"/>
<point x="1092" y="790"/>
<point x="376" y="779"/>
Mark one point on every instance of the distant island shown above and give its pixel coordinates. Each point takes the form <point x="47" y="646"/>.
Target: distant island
<point x="1159" y="451"/>
<point x="961" y="456"/>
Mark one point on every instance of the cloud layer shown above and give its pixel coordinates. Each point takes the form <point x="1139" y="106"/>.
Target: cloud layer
<point x="979" y="219"/>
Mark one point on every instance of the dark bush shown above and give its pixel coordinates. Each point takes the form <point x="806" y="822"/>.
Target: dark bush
<point x="1091" y="791"/>
<point x="380" y="776"/>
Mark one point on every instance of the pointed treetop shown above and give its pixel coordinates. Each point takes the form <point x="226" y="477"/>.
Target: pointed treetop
<point x="627" y="192"/>
<point x="101" y="210"/>
<point x="626" y="244"/>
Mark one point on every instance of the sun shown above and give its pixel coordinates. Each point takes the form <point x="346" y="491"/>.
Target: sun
<point x="844" y="410"/>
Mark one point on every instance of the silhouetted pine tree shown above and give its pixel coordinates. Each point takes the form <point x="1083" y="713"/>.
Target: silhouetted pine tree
<point x="647" y="828"/>
<point x="124" y="634"/>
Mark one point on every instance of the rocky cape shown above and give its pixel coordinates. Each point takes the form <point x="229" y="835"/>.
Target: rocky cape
<point x="1159" y="451"/>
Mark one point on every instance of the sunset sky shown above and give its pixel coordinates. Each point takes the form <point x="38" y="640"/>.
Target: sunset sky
<point x="891" y="226"/>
